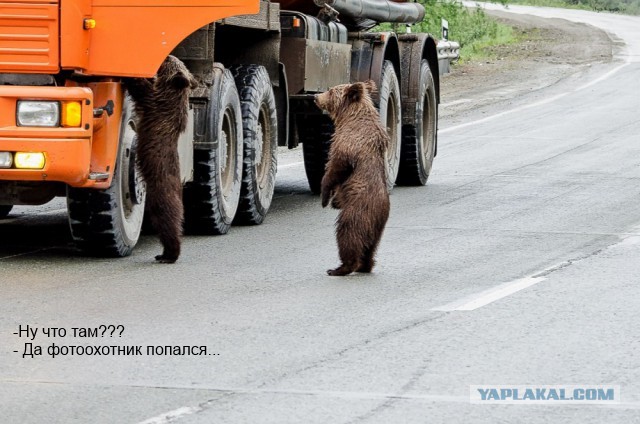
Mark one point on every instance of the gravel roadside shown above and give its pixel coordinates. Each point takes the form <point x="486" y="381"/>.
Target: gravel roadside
<point x="549" y="50"/>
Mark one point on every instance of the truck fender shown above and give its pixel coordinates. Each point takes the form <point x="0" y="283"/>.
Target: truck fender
<point x="369" y="52"/>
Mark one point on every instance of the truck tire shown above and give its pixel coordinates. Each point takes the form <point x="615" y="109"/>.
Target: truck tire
<point x="391" y="117"/>
<point x="211" y="199"/>
<point x="260" y="134"/>
<point x="315" y="132"/>
<point x="419" y="137"/>
<point x="108" y="222"/>
<point x="4" y="210"/>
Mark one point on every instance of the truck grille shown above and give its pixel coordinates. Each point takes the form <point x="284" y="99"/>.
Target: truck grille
<point x="29" y="37"/>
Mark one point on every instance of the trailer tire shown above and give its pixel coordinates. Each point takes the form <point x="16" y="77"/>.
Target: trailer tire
<point x="260" y="134"/>
<point x="108" y="222"/>
<point x="211" y="199"/>
<point x="315" y="132"/>
<point x="4" y="210"/>
<point x="419" y="137"/>
<point x="389" y="106"/>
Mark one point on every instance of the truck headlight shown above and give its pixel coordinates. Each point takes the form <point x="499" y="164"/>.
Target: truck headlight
<point x="38" y="113"/>
<point x="6" y="159"/>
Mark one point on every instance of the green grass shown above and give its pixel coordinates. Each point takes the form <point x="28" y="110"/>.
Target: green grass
<point x="473" y="29"/>
<point x="480" y="48"/>
<point x="477" y="32"/>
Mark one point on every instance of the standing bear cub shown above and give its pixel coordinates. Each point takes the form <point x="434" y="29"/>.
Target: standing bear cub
<point x="161" y="106"/>
<point x="355" y="181"/>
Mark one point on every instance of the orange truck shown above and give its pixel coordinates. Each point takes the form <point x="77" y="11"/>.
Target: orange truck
<point x="67" y="128"/>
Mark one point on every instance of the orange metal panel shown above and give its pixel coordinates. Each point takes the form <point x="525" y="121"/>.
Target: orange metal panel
<point x="29" y="36"/>
<point x="66" y="160"/>
<point x="106" y="135"/>
<point x="74" y="39"/>
<point x="32" y="1"/>
<point x="132" y="37"/>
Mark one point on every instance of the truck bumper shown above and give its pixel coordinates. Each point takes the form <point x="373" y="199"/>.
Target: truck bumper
<point x="80" y="157"/>
<point x="65" y="160"/>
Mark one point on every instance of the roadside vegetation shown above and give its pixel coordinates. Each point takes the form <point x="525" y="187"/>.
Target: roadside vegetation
<point x="479" y="33"/>
<point x="473" y="29"/>
<point x="629" y="7"/>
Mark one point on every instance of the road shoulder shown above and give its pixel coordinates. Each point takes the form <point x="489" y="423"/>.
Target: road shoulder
<point x="550" y="50"/>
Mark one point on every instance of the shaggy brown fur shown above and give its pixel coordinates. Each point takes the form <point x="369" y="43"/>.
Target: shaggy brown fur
<point x="161" y="108"/>
<point x="354" y="180"/>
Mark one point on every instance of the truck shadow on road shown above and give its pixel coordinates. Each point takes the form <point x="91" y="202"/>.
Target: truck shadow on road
<point x="46" y="232"/>
<point x="24" y="233"/>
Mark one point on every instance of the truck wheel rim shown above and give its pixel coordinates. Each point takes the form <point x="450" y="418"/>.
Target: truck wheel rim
<point x="228" y="153"/>
<point x="132" y="193"/>
<point x="263" y="150"/>
<point x="427" y="128"/>
<point x="392" y="130"/>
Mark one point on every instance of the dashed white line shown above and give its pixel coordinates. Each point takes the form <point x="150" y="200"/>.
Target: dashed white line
<point x="455" y="102"/>
<point x="176" y="414"/>
<point x="489" y="296"/>
<point x="539" y="103"/>
<point x="167" y="417"/>
<point x="501" y="291"/>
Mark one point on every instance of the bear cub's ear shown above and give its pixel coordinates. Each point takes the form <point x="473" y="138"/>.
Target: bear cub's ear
<point x="370" y="85"/>
<point x="355" y="92"/>
<point x="181" y="80"/>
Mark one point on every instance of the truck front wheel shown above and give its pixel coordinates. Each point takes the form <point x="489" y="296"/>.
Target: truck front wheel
<point x="4" y="210"/>
<point x="211" y="199"/>
<point x="108" y="222"/>
<point x="260" y="133"/>
<point x="419" y="137"/>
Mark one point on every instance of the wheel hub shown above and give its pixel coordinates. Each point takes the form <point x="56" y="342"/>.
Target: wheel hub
<point x="259" y="143"/>
<point x="137" y="187"/>
<point x="224" y="151"/>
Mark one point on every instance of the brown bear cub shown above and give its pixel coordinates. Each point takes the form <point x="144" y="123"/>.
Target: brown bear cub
<point x="161" y="106"/>
<point x="355" y="181"/>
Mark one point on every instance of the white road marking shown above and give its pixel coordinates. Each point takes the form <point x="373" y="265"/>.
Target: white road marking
<point x="489" y="296"/>
<point x="501" y="291"/>
<point x="605" y="76"/>
<point x="455" y="102"/>
<point x="167" y="417"/>
<point x="498" y="115"/>
<point x="173" y="416"/>
<point x="630" y="241"/>
<point x="536" y="104"/>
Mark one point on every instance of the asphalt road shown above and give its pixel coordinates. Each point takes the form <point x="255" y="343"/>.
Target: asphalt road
<point x="516" y="265"/>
